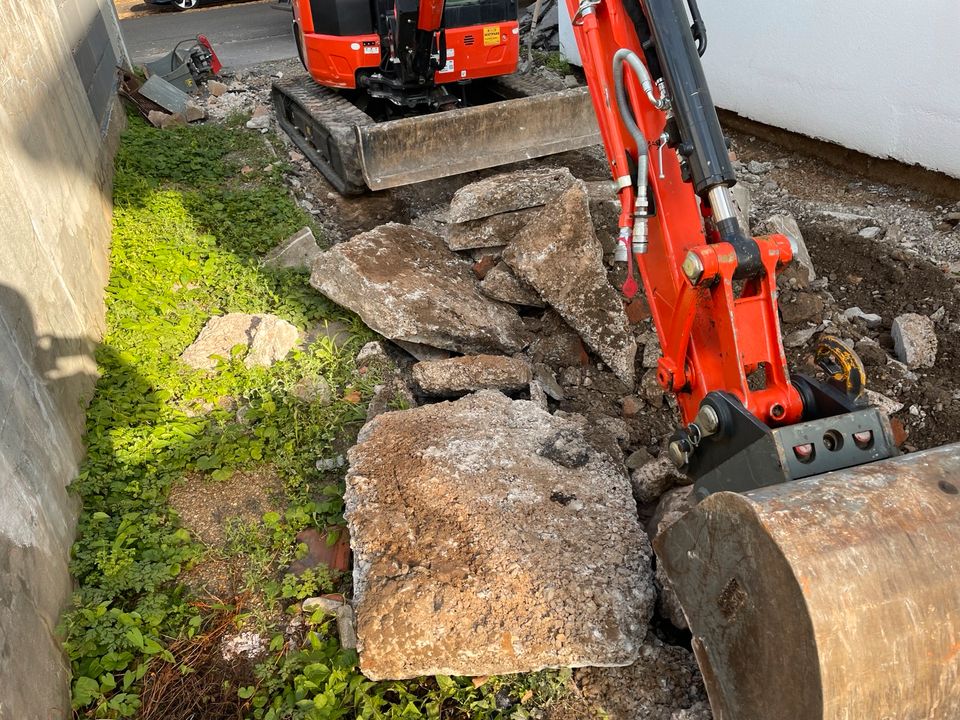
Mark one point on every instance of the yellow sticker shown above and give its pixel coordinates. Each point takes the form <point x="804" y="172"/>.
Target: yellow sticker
<point x="491" y="35"/>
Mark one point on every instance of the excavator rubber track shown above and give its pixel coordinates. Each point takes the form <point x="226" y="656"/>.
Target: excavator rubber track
<point x="321" y="123"/>
<point x="356" y="153"/>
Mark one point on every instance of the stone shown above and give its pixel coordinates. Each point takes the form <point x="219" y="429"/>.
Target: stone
<point x="492" y="231"/>
<point x="259" y="122"/>
<point x="915" y="340"/>
<point x="452" y="577"/>
<point x="374" y="356"/>
<point x="538" y="395"/>
<point x="786" y="224"/>
<point x="560" y="256"/>
<point x="650" y="388"/>
<point x="799" y="338"/>
<point x="470" y="373"/>
<point x="871" y="320"/>
<point x="664" y="681"/>
<point x="638" y="458"/>
<point x="653" y="479"/>
<point x="193" y="112"/>
<point x="887" y="405"/>
<point x="871" y="233"/>
<point x="804" y="307"/>
<point x="548" y="381"/>
<point x="759" y="168"/>
<point x="267" y="338"/>
<point x="313" y="391"/>
<point x="407" y="285"/>
<point x="558" y="345"/>
<point x="846" y="222"/>
<point x="651" y="350"/>
<point x="164" y="120"/>
<point x="697" y="711"/>
<point x="298" y="251"/>
<point x="507" y="192"/>
<point x="743" y="202"/>
<point x="216" y="88"/>
<point x="637" y="310"/>
<point x="483" y="266"/>
<point x="630" y="406"/>
<point x="500" y="283"/>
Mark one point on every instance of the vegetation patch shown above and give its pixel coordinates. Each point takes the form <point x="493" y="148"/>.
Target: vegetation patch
<point x="195" y="208"/>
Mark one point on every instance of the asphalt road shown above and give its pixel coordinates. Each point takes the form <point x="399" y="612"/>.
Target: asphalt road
<point x="241" y="34"/>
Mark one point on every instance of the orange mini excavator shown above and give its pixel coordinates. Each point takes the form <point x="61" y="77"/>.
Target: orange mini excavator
<point x="402" y="91"/>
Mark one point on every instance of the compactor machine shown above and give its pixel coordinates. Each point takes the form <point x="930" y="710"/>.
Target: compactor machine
<point x="819" y="572"/>
<point x="402" y="91"/>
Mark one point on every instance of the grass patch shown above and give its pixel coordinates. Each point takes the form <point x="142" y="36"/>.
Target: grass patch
<point x="194" y="208"/>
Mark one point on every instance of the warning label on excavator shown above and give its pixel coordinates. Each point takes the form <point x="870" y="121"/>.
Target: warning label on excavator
<point x="491" y="35"/>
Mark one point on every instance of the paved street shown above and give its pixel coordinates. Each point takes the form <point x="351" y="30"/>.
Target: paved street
<point x="241" y="34"/>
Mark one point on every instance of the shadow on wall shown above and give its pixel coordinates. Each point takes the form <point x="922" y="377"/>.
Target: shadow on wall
<point x="38" y="457"/>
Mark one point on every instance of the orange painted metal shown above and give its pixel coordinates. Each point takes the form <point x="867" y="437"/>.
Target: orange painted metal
<point x="480" y="51"/>
<point x="430" y="16"/>
<point x="715" y="334"/>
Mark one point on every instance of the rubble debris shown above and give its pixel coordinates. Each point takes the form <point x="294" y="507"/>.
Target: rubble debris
<point x="847" y="222"/>
<point x="470" y="373"/>
<point x="500" y="283"/>
<point x="870" y="353"/>
<point x="298" y="251"/>
<point x="573" y="588"/>
<point x="915" y="340"/>
<point x="492" y="231"/>
<point x="546" y="32"/>
<point x="313" y="391"/>
<point x="162" y="120"/>
<point x="742" y="201"/>
<point x="786" y="224"/>
<point x="407" y="285"/>
<point x="547" y="381"/>
<point x="799" y="338"/>
<point x="248" y="644"/>
<point x="507" y="192"/>
<point x="392" y="394"/>
<point x="557" y="344"/>
<point x="170" y="98"/>
<point x="267" y="338"/>
<point x="650" y="388"/>
<point x="342" y="611"/>
<point x="871" y="233"/>
<point x="422" y="352"/>
<point x="662" y="682"/>
<point x="559" y="255"/>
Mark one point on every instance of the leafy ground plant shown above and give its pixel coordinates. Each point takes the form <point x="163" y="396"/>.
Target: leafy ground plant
<point x="195" y="207"/>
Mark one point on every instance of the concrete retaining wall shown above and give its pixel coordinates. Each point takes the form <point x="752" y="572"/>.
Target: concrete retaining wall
<point x="879" y="77"/>
<point x="59" y="122"/>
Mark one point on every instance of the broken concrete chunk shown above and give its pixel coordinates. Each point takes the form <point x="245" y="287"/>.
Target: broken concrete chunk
<point x="407" y="285"/>
<point x="422" y="352"/>
<point x="559" y="255"/>
<point x="850" y="223"/>
<point x="493" y="231"/>
<point x="266" y="337"/>
<point x="557" y="344"/>
<point x="501" y="284"/>
<point x="216" y="88"/>
<point x="742" y="201"/>
<point x="507" y="192"/>
<point x="786" y="224"/>
<point x="392" y="394"/>
<point x="886" y="405"/>
<point x="298" y="251"/>
<point x="915" y="340"/>
<point x="450" y="574"/>
<point x="470" y="373"/>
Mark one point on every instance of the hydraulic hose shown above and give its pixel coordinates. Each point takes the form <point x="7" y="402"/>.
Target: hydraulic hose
<point x="629" y="57"/>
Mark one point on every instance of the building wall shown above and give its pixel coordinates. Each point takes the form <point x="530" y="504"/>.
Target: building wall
<point x="878" y="77"/>
<point x="59" y="122"/>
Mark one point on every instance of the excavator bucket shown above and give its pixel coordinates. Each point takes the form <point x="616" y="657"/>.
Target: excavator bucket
<point x="412" y="150"/>
<point x="834" y="597"/>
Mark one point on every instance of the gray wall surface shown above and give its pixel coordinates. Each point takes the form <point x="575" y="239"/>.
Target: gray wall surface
<point x="59" y="122"/>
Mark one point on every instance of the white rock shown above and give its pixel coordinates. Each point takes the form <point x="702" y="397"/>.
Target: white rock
<point x="871" y="320"/>
<point x="886" y="405"/>
<point x="915" y="340"/>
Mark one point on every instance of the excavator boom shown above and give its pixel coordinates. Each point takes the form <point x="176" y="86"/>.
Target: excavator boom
<point x="819" y="571"/>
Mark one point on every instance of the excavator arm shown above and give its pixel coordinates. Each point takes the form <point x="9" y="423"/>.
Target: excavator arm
<point x="818" y="571"/>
